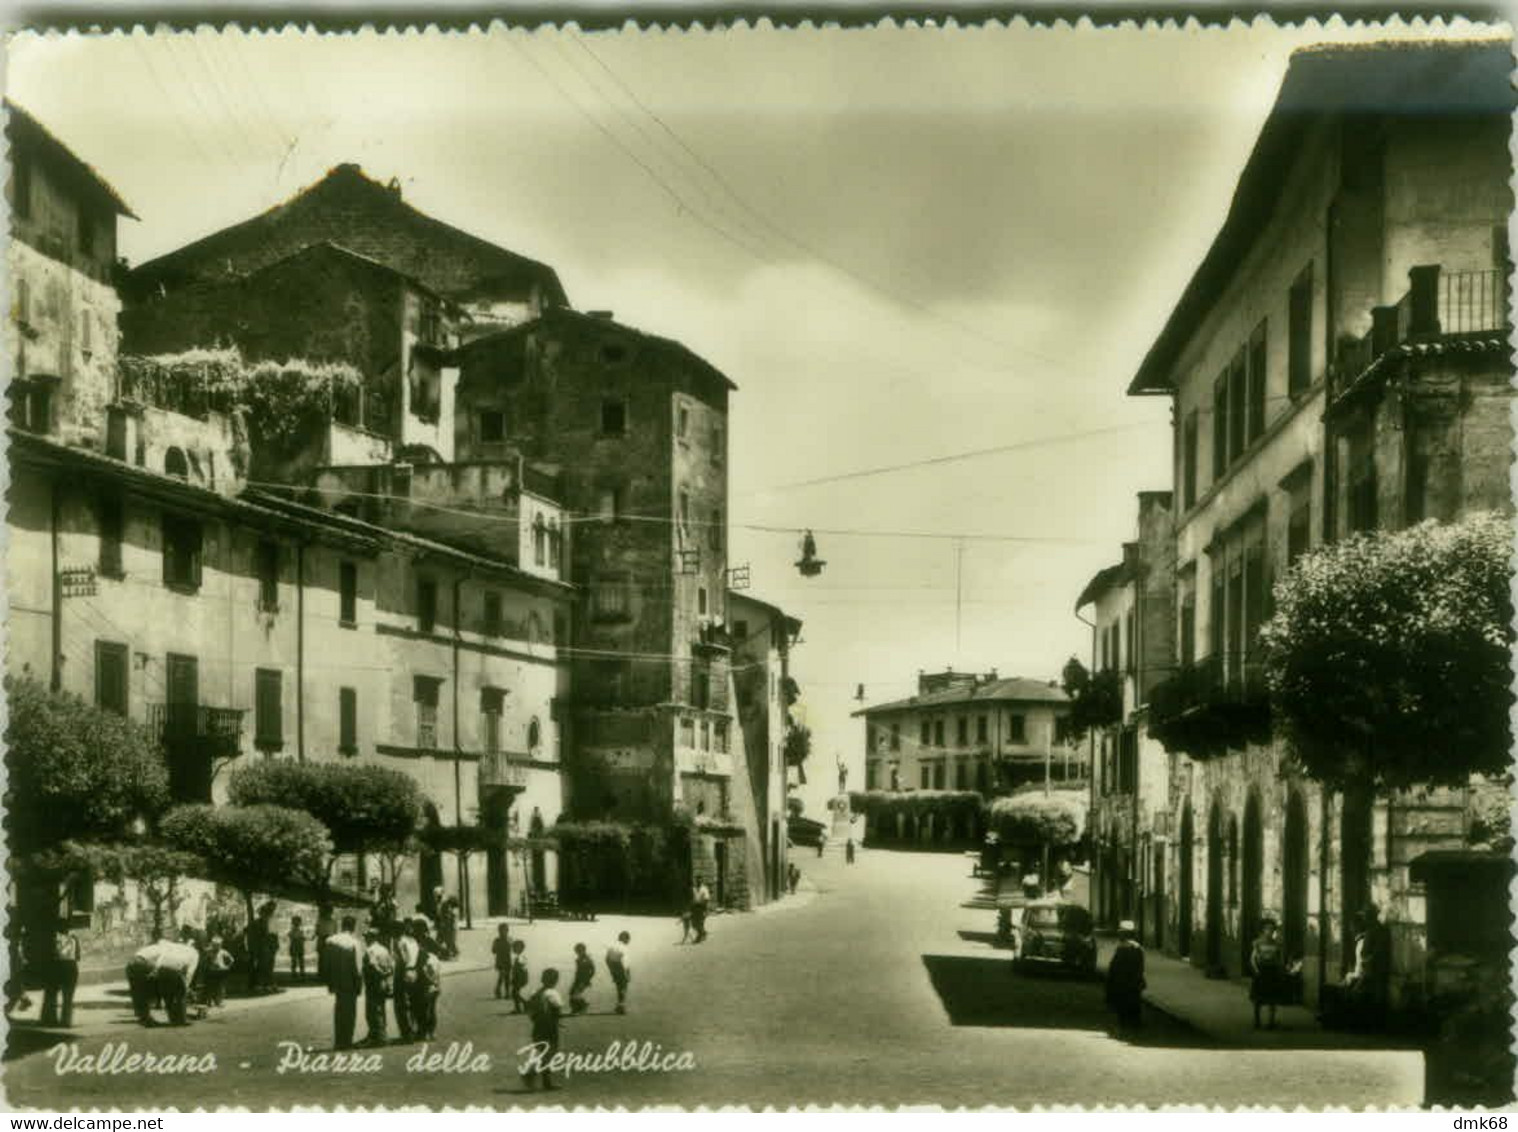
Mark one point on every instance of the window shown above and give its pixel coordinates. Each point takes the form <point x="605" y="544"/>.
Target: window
<point x="539" y="542"/>
<point x="86" y="230"/>
<point x="895" y="736"/>
<point x="687" y="732"/>
<point x="682" y="421"/>
<point x="1131" y="656"/>
<point x="1188" y="627"/>
<point x="1256" y="597"/>
<point x="938" y="733"/>
<point x="21" y="187"/>
<point x="719" y="736"/>
<point x="927" y="778"/>
<point x="701" y="685"/>
<point x="492" y="626"/>
<point x="1017" y="727"/>
<point x="701" y="600"/>
<point x="555" y="544"/>
<point x="347" y="594"/>
<point x="982" y="728"/>
<point x="706" y="735"/>
<point x="1299" y="526"/>
<point x="963" y="730"/>
<point x="181" y="553"/>
<point x="112" y="530"/>
<point x="426" y="605"/>
<point x="961" y="775"/>
<point x="1188" y="461"/>
<point x="424" y="693"/>
<point x="613" y="417"/>
<point x="718" y="448"/>
<point x="938" y="775"/>
<point x="1235" y="616"/>
<point x="685" y="514"/>
<point x="927" y="734"/>
<point x="23" y="302"/>
<point x="1299" y="334"/>
<point x="610" y="505"/>
<point x="266" y="563"/>
<point x="1220" y="426"/>
<point x="1257" y="359"/>
<point x="717" y="529"/>
<point x="268" y="709"/>
<point x="111" y="676"/>
<point x="609" y="601"/>
<point x="1238" y="394"/>
<point x="1361" y="480"/>
<point x="175" y="464"/>
<point x="347" y="721"/>
<point x="1216" y="619"/>
<point x="492" y="426"/>
<point x="492" y="701"/>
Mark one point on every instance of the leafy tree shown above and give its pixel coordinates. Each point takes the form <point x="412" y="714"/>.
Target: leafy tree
<point x="1095" y="700"/>
<point x="463" y="841"/>
<point x="252" y="848"/>
<point x="366" y="809"/>
<point x="157" y="869"/>
<point x="75" y="771"/>
<point x="798" y="744"/>
<point x="1055" y="820"/>
<point x="1388" y="655"/>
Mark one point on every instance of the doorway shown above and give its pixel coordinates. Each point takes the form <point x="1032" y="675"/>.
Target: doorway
<point x="1294" y="878"/>
<point x="1251" y="863"/>
<point x="719" y="856"/>
<point x="1354" y="858"/>
<point x="1214" y="924"/>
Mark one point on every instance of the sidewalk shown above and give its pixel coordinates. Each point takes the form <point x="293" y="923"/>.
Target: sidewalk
<point x="1220" y="1009"/>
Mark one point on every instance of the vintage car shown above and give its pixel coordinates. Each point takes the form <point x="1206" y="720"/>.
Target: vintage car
<point x="1057" y="933"/>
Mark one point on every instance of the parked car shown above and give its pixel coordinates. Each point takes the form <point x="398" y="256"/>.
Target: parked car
<point x="1056" y="933"/>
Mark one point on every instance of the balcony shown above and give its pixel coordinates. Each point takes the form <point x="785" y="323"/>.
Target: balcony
<point x="712" y="639"/>
<point x="215" y="730"/>
<point x="1207" y="708"/>
<point x="503" y="769"/>
<point x="1439" y="306"/>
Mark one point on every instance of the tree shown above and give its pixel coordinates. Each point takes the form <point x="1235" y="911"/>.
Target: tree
<point x="798" y="744"/>
<point x="366" y="809"/>
<point x="157" y="869"/>
<point x="1388" y="655"/>
<point x="76" y="771"/>
<point x="1053" y="820"/>
<point x="252" y="848"/>
<point x="463" y="841"/>
<point x="1095" y="700"/>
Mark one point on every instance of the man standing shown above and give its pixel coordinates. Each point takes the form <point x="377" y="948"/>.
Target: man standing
<point x="620" y="970"/>
<point x="701" y="900"/>
<point x="848" y="851"/>
<point x="408" y="956"/>
<point x="379" y="980"/>
<point x="585" y="971"/>
<point x="1125" y="978"/>
<point x="345" y="980"/>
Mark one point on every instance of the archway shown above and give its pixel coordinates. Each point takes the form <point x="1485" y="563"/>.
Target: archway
<point x="1184" y="897"/>
<point x="175" y="464"/>
<point x="539" y="860"/>
<point x="1294" y="862"/>
<point x="496" y="817"/>
<point x="1251" y="864"/>
<point x="1215" y="853"/>
<point x="1354" y="860"/>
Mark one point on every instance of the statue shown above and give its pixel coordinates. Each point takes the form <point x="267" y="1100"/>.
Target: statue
<point x="843" y="776"/>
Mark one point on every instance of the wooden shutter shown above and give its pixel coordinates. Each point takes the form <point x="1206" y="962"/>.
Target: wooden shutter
<point x="111" y="681"/>
<point x="268" y="710"/>
<point x="347" y="715"/>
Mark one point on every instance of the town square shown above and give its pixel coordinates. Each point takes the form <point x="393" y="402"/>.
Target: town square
<point x="752" y="566"/>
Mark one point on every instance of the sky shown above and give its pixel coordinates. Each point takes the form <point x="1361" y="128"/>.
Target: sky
<point x="902" y="244"/>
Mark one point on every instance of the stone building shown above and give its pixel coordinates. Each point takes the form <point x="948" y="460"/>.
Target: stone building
<point x="62" y="263"/>
<point x="762" y="636"/>
<point x="1357" y="287"/>
<point x="1133" y="643"/>
<point x="637" y="426"/>
<point x="242" y="622"/>
<point x="966" y="731"/>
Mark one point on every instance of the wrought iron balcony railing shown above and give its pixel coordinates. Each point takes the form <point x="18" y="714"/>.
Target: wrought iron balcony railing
<point x="219" y="728"/>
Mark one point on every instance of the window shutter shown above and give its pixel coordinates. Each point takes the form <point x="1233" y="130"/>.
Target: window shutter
<point x="267" y="708"/>
<point x="347" y="704"/>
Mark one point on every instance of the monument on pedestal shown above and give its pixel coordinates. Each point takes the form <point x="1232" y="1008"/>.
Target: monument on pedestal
<point x="842" y="816"/>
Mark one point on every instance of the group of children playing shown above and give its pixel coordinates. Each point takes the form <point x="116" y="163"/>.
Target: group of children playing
<point x="546" y="1008"/>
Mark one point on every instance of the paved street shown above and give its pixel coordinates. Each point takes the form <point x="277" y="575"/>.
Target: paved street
<point x="883" y="989"/>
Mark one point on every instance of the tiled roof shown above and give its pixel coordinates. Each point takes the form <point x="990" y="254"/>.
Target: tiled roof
<point x="22" y="123"/>
<point x="363" y="216"/>
<point x="1016" y="689"/>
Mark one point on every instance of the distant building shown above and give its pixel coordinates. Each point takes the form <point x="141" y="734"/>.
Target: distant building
<point x="1133" y="642"/>
<point x="964" y="731"/>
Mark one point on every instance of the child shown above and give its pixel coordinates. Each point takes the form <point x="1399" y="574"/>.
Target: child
<point x="620" y="969"/>
<point x="519" y="975"/>
<point x="585" y="971"/>
<point x="425" y="992"/>
<point x="545" y="1009"/>
<point x="297" y="949"/>
<point x="685" y="926"/>
<point x="215" y="965"/>
<point x="500" y="947"/>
